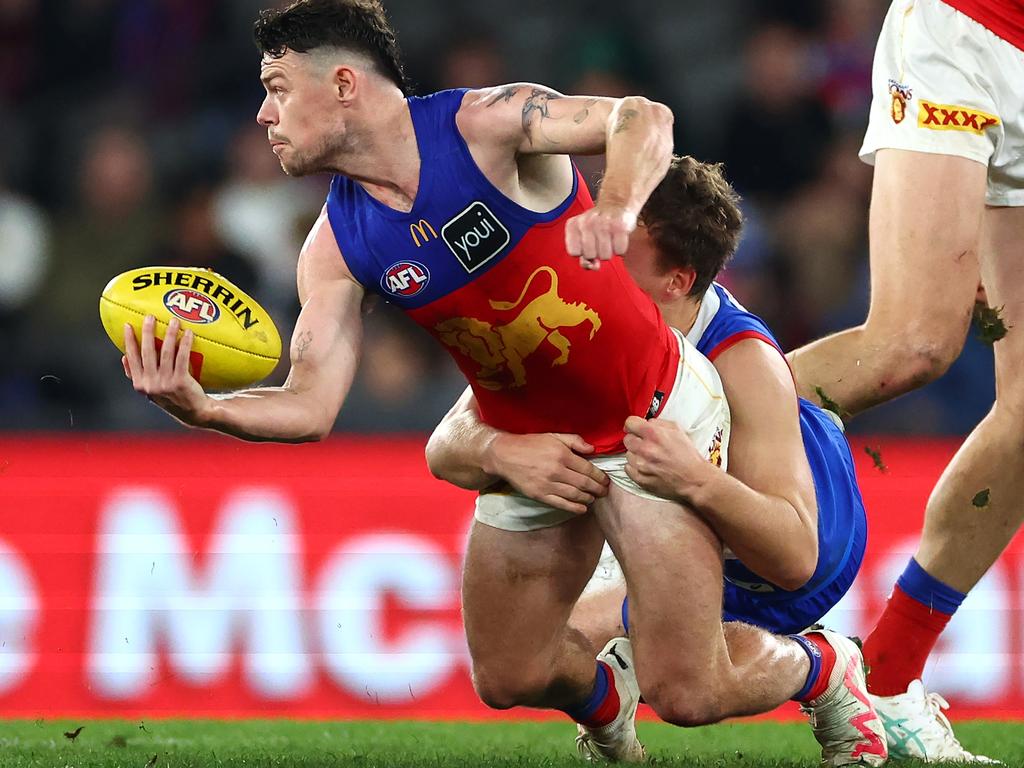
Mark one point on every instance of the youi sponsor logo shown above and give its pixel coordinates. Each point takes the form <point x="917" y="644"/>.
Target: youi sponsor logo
<point x="475" y="236"/>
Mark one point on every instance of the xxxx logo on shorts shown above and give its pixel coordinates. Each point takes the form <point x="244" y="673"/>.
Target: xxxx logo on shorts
<point x="949" y="117"/>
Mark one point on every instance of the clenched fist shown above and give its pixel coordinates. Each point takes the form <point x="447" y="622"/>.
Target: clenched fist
<point x="599" y="234"/>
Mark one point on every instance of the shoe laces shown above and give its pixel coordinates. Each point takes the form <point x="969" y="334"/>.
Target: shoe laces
<point x="935" y="705"/>
<point x="586" y="748"/>
<point x="831" y="724"/>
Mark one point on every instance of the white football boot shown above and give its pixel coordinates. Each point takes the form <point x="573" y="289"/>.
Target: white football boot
<point x="915" y="727"/>
<point x="616" y="742"/>
<point x="844" y="721"/>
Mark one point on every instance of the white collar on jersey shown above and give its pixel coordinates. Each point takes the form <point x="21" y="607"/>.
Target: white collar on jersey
<point x="709" y="306"/>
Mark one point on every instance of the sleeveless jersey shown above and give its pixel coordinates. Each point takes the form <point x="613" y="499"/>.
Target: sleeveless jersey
<point x="721" y="323"/>
<point x="546" y="345"/>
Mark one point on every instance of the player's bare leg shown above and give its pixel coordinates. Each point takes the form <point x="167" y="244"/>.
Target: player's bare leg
<point x="598" y="616"/>
<point x="926" y="213"/>
<point x="927" y="218"/>
<point x="676" y="617"/>
<point x="972" y="514"/>
<point x="992" y="458"/>
<point x="686" y="671"/>
<point x="518" y="590"/>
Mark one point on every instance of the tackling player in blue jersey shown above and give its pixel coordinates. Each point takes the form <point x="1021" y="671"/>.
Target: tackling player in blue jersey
<point x="789" y="513"/>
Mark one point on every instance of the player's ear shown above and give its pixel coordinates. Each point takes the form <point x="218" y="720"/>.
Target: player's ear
<point x="346" y="83"/>
<point x="682" y="282"/>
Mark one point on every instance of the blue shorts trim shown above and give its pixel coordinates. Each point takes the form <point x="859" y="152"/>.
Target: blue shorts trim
<point x="787" y="617"/>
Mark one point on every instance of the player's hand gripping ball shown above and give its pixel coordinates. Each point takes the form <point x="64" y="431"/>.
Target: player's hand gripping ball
<point x="235" y="342"/>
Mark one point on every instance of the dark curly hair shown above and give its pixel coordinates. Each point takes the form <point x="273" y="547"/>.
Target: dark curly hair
<point x="356" y="25"/>
<point x="693" y="216"/>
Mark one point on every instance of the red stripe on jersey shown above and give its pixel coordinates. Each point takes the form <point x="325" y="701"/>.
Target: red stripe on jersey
<point x="1003" y="18"/>
<point x="736" y="338"/>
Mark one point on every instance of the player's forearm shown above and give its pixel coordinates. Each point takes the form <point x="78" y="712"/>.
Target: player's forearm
<point x="271" y="414"/>
<point x="767" y="533"/>
<point x="459" y="451"/>
<point x="639" y="149"/>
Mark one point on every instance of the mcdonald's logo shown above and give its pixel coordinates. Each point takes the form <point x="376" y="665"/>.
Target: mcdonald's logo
<point x="418" y="231"/>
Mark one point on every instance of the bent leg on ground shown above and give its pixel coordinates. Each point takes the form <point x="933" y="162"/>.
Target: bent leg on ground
<point x="687" y="672"/>
<point x="518" y="590"/>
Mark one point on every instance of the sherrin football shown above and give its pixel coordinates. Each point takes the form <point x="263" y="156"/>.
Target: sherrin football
<point x="235" y="342"/>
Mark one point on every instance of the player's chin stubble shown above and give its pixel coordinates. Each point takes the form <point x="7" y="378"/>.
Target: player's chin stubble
<point x="318" y="161"/>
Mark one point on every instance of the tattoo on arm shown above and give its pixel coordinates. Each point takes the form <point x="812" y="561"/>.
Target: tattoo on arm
<point x="537" y="102"/>
<point x="505" y="95"/>
<point x="625" y="117"/>
<point x="584" y="112"/>
<point x="302" y="344"/>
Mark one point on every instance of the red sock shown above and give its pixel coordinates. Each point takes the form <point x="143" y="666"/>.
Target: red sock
<point x="828" y="663"/>
<point x="898" y="646"/>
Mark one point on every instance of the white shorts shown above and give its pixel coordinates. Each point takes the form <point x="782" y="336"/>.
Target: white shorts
<point x="697" y="404"/>
<point x="942" y="83"/>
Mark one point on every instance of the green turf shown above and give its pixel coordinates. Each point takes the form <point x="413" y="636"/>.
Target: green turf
<point x="255" y="743"/>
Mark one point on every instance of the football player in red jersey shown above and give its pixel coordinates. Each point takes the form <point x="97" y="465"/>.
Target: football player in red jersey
<point x="946" y="136"/>
<point x="475" y="190"/>
<point x="788" y="512"/>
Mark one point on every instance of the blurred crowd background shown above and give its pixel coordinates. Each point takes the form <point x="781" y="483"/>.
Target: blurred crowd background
<point x="129" y="139"/>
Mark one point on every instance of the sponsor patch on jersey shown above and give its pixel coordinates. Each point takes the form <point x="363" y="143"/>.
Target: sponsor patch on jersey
<point x="656" y="401"/>
<point x="405" y="278"/>
<point x="715" y="449"/>
<point x="901" y="94"/>
<point x="475" y="236"/>
<point x="950" y="117"/>
<point x="193" y="306"/>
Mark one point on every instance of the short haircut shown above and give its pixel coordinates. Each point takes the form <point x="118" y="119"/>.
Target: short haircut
<point x="360" y="26"/>
<point x="694" y="218"/>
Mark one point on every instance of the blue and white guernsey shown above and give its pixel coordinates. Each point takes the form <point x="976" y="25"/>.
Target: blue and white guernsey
<point x="842" y="525"/>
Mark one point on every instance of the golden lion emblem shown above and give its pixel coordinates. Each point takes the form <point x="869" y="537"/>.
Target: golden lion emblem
<point x="715" y="450"/>
<point x="500" y="350"/>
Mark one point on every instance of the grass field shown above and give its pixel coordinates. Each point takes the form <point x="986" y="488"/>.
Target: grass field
<point x="255" y="743"/>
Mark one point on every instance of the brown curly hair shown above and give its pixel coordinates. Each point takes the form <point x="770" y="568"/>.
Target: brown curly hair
<point x="694" y="218"/>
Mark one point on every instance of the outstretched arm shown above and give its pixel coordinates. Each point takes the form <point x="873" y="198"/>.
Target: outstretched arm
<point x="764" y="509"/>
<point x="634" y="132"/>
<point x="324" y="354"/>
<point x="545" y="467"/>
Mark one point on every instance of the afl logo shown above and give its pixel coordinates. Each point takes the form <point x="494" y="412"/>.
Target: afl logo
<point x="406" y="278"/>
<point x="193" y="306"/>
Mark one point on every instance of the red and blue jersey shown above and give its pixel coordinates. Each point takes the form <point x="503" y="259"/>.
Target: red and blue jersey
<point x="546" y="345"/>
<point x="842" y="524"/>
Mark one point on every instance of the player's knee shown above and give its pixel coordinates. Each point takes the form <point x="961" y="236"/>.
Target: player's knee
<point x="912" y="360"/>
<point x="687" y="706"/>
<point x="928" y="360"/>
<point x="498" y="689"/>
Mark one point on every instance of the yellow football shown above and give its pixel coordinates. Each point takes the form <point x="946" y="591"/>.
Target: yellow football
<point x="235" y="342"/>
